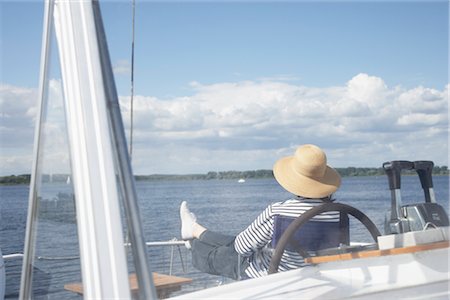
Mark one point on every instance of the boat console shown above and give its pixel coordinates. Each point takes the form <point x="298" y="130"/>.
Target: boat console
<point x="413" y="217"/>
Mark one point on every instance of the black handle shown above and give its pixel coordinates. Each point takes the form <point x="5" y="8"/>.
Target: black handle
<point x="424" y="169"/>
<point x="393" y="170"/>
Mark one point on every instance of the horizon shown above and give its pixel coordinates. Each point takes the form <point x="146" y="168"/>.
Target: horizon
<point x="224" y="171"/>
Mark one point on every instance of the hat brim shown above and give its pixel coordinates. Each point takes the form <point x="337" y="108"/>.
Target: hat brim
<point x="304" y="186"/>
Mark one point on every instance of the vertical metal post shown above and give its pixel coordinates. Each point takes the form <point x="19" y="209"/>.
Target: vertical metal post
<point x="126" y="178"/>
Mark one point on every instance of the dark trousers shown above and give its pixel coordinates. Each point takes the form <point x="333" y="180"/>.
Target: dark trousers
<point x="214" y="253"/>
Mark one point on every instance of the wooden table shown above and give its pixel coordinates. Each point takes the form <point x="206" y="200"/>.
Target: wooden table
<point x="164" y="284"/>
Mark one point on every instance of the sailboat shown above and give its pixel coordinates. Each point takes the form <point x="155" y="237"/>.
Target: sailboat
<point x="411" y="260"/>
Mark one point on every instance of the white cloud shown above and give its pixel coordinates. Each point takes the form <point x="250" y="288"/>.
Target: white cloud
<point x="16" y="117"/>
<point x="17" y="128"/>
<point x="365" y="117"/>
<point x="249" y="124"/>
<point x="366" y="89"/>
<point x="421" y="119"/>
<point x="424" y="100"/>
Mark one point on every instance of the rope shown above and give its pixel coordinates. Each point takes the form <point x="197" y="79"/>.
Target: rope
<point x="132" y="81"/>
<point x="127" y="234"/>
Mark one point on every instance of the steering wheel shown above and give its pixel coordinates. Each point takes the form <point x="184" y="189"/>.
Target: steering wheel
<point x="305" y="217"/>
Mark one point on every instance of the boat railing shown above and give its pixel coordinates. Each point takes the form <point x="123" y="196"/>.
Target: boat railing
<point x="174" y="244"/>
<point x="12" y="256"/>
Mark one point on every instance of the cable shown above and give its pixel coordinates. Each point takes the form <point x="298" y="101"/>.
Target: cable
<point x="132" y="82"/>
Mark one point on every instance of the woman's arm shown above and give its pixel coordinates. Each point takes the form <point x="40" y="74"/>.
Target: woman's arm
<point x="256" y="235"/>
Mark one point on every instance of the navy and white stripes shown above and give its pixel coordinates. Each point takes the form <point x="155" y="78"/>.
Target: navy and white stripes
<point x="254" y="241"/>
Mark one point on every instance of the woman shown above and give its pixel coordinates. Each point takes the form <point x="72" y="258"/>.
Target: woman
<point x="305" y="175"/>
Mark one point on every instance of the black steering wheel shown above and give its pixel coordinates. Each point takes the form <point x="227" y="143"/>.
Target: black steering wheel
<point x="305" y="217"/>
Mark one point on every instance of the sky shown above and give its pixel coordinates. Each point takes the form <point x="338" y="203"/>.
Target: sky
<point x="236" y="85"/>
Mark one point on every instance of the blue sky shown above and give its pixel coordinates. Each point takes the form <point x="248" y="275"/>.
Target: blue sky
<point x="317" y="44"/>
<point x="243" y="83"/>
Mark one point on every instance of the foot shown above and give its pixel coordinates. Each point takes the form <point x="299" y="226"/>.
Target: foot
<point x="188" y="221"/>
<point x="187" y="244"/>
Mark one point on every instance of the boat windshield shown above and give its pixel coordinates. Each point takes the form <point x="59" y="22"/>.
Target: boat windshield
<point x="52" y="236"/>
<point x="76" y="241"/>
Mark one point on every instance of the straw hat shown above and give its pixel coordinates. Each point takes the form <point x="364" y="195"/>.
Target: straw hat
<point x="306" y="173"/>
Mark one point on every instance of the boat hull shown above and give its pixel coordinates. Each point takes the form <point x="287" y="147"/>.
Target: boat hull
<point x="419" y="275"/>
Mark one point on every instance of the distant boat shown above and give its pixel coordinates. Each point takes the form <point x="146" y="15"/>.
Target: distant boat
<point x="242" y="180"/>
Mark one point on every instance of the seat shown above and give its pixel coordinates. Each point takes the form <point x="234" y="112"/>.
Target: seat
<point x="314" y="235"/>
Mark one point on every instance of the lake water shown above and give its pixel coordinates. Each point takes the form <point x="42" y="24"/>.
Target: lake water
<point x="222" y="205"/>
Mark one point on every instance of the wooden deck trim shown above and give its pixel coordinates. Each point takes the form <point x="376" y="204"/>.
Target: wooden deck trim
<point x="375" y="253"/>
<point x="164" y="284"/>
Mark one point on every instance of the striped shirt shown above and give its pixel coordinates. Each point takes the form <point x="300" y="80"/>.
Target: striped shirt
<point x="254" y="242"/>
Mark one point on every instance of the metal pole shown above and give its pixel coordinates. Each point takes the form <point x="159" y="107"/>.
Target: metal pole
<point x="126" y="179"/>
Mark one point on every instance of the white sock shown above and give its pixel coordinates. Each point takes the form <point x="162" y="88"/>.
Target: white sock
<point x="188" y="220"/>
<point x="187" y="244"/>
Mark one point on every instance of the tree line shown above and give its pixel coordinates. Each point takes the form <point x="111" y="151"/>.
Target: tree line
<point x="221" y="175"/>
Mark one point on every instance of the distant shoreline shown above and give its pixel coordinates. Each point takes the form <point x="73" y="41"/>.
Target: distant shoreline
<point x="224" y="175"/>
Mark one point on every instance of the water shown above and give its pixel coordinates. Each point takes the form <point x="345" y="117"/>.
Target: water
<point x="221" y="205"/>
